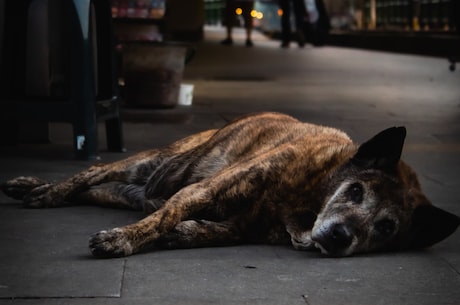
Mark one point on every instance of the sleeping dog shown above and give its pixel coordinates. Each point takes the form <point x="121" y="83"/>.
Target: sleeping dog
<point x="263" y="178"/>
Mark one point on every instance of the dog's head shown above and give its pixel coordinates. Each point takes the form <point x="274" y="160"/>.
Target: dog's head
<point x="375" y="203"/>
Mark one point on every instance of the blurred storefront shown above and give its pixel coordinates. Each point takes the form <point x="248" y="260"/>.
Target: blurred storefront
<point x="408" y="15"/>
<point x="159" y="20"/>
<point x="416" y="15"/>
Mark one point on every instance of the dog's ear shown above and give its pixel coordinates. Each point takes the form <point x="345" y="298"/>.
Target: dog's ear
<point x="430" y="225"/>
<point x="383" y="151"/>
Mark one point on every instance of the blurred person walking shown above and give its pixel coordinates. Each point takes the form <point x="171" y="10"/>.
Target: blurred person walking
<point x="300" y="15"/>
<point x="230" y="19"/>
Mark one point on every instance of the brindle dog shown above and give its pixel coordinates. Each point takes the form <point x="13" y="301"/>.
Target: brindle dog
<point x="264" y="178"/>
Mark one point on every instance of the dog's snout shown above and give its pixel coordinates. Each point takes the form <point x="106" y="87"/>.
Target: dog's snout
<point x="335" y="239"/>
<point x="341" y="236"/>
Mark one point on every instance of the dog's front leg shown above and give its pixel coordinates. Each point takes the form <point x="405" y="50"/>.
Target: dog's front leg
<point x="132" y="238"/>
<point x="229" y="187"/>
<point x="186" y="234"/>
<point x="200" y="233"/>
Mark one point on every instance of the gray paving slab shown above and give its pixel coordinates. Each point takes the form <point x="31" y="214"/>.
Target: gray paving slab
<point x="276" y="274"/>
<point x="44" y="257"/>
<point x="44" y="253"/>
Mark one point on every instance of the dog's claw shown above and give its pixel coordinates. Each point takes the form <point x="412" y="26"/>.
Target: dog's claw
<point x="111" y="243"/>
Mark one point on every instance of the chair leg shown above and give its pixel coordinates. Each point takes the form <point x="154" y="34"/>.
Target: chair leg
<point x="452" y="62"/>
<point x="9" y="132"/>
<point x="114" y="134"/>
<point x="85" y="140"/>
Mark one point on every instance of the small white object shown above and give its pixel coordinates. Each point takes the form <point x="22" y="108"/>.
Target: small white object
<point x="80" y="142"/>
<point x="186" y="94"/>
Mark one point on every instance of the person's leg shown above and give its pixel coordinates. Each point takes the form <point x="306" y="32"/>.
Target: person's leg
<point x="229" y="19"/>
<point x="248" y="21"/>
<point x="300" y="12"/>
<point x="285" y="6"/>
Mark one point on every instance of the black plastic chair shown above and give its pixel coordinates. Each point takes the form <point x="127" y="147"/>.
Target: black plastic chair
<point x="58" y="65"/>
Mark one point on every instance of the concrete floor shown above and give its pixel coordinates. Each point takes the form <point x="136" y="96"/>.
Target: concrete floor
<point x="44" y="257"/>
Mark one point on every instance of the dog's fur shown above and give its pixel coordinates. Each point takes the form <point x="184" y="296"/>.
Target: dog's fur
<point x="264" y="178"/>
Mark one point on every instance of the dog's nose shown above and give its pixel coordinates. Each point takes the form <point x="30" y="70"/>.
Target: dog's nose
<point x="335" y="240"/>
<point x="341" y="236"/>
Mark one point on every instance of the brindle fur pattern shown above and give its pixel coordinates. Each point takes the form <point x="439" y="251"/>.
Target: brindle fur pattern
<point x="264" y="178"/>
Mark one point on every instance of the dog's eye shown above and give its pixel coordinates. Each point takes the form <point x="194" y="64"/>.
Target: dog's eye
<point x="355" y="192"/>
<point x="385" y="227"/>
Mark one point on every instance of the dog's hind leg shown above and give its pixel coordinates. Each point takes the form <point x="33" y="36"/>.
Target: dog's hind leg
<point x="37" y="193"/>
<point x="137" y="167"/>
<point x="119" y="195"/>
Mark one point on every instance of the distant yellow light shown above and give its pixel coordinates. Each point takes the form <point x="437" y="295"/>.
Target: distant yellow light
<point x="280" y="12"/>
<point x="239" y="11"/>
<point x="256" y="14"/>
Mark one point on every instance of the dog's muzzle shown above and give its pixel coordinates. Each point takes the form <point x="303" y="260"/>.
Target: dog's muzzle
<point x="334" y="240"/>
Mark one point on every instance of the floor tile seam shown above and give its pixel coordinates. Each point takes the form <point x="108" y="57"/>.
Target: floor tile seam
<point x="451" y="266"/>
<point x="122" y="280"/>
<point x="12" y="298"/>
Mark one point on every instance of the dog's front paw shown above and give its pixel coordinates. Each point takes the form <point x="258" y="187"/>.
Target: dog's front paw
<point x="20" y="187"/>
<point x="111" y="243"/>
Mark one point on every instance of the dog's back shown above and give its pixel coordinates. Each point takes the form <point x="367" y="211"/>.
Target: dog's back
<point x="245" y="139"/>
